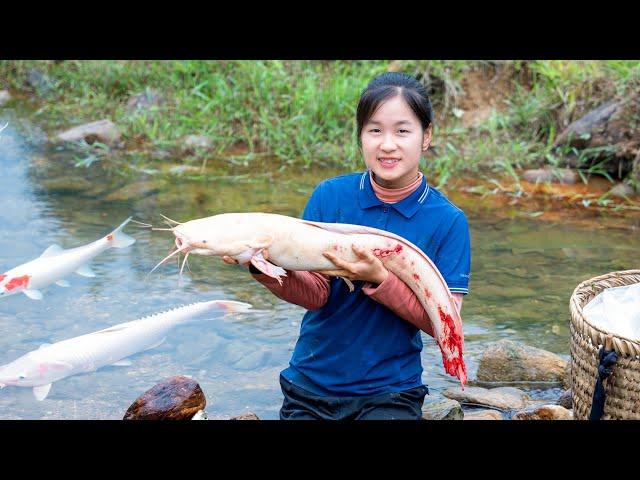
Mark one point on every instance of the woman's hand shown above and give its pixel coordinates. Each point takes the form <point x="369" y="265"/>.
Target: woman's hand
<point x="367" y="268"/>
<point x="233" y="261"/>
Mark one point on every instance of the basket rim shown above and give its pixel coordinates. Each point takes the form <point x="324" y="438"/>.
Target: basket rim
<point x="620" y="343"/>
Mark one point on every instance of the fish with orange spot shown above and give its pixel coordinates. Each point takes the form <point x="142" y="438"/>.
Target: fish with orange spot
<point x="56" y="263"/>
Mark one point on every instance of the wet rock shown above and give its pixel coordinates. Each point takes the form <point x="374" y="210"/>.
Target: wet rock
<point x="566" y="379"/>
<point x="103" y="131"/>
<point x="246" y="416"/>
<point x="566" y="399"/>
<point x="607" y="135"/>
<point x="144" y="100"/>
<point x="66" y="185"/>
<point x="622" y="190"/>
<point x="503" y="398"/>
<point x="192" y="143"/>
<point x="4" y="97"/>
<point x="482" y="415"/>
<point x="545" y="412"/>
<point x="137" y="190"/>
<point x="176" y="398"/>
<point x="557" y="175"/>
<point x="441" y="409"/>
<point x="509" y="361"/>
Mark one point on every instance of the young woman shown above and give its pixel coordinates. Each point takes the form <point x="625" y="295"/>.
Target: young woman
<point x="358" y="354"/>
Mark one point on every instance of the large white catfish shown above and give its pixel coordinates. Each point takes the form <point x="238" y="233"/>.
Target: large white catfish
<point x="296" y="244"/>
<point x="56" y="263"/>
<point x="86" y="353"/>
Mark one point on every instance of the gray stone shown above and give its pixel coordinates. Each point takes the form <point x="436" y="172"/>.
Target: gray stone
<point x="509" y="361"/>
<point x="441" y="409"/>
<point x="482" y="415"/>
<point x="246" y="416"/>
<point x="557" y="175"/>
<point x="103" y="131"/>
<point x="144" y="100"/>
<point x="4" y="97"/>
<point x="191" y="143"/>
<point x="39" y="81"/>
<point x="566" y="400"/>
<point x="622" y="190"/>
<point x="503" y="398"/>
<point x="545" y="412"/>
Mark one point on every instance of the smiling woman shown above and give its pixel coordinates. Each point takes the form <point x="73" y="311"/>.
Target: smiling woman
<point x="358" y="354"/>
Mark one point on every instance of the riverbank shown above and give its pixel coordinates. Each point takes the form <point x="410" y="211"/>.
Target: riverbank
<point x="495" y="121"/>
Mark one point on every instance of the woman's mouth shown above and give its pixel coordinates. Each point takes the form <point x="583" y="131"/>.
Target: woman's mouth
<point x="388" y="162"/>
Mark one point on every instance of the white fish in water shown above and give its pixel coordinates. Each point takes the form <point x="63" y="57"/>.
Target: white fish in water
<point x="296" y="244"/>
<point x="56" y="263"/>
<point x="86" y="353"/>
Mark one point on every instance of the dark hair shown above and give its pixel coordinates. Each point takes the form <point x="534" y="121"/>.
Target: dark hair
<point x="388" y="85"/>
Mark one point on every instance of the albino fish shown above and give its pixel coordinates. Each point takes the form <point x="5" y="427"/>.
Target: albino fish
<point x="86" y="353"/>
<point x="56" y="263"/>
<point x="296" y="244"/>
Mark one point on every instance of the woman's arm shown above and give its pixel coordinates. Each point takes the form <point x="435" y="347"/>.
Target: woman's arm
<point x="310" y="290"/>
<point x="396" y="295"/>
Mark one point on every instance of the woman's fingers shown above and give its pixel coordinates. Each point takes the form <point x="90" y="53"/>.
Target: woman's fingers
<point x="229" y="260"/>
<point x="335" y="273"/>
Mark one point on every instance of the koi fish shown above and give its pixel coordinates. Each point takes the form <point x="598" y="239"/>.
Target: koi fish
<point x="55" y="263"/>
<point x="86" y="353"/>
<point x="296" y="244"/>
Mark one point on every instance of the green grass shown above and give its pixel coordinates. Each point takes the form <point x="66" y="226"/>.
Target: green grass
<point x="302" y="113"/>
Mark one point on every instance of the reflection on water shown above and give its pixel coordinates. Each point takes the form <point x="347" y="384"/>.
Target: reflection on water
<point x="523" y="275"/>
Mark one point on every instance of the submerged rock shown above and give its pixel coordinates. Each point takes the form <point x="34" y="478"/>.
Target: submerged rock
<point x="482" y="415"/>
<point x="558" y="175"/>
<point x="103" y="131"/>
<point x="176" y="398"/>
<point x="566" y="399"/>
<point x="4" y="97"/>
<point x="441" y="409"/>
<point x="545" y="412"/>
<point x="246" y="416"/>
<point x="509" y="361"/>
<point x="39" y="81"/>
<point x="503" y="398"/>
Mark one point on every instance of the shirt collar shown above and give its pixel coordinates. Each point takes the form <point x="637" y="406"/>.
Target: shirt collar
<point x="407" y="207"/>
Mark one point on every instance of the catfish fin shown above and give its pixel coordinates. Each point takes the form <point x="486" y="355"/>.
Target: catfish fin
<point x="268" y="268"/>
<point x="261" y="242"/>
<point x="85" y="271"/>
<point x="156" y="344"/>
<point x="122" y="363"/>
<point x="63" y="283"/>
<point x="33" y="294"/>
<point x="41" y="392"/>
<point x="52" y="250"/>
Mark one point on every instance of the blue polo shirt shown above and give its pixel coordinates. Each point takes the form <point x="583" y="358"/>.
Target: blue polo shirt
<point x="353" y="345"/>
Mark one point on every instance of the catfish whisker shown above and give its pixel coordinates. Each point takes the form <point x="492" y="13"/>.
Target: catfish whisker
<point x="168" y="257"/>
<point x="167" y="218"/>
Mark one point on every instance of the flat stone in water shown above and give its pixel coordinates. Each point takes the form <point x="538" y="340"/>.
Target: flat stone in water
<point x="176" y="398"/>
<point x="482" y="415"/>
<point x="503" y="398"/>
<point x="545" y="412"/>
<point x="441" y="409"/>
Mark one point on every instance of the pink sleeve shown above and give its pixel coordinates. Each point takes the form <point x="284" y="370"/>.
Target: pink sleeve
<point x="307" y="289"/>
<point x="394" y="294"/>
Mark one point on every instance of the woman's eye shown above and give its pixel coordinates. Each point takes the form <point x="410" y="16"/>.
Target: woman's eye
<point x="403" y="131"/>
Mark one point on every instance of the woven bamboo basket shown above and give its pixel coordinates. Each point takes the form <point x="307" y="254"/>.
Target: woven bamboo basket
<point x="623" y="386"/>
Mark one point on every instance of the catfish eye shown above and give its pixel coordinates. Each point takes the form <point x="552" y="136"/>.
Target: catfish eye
<point x="204" y="241"/>
<point x="22" y="377"/>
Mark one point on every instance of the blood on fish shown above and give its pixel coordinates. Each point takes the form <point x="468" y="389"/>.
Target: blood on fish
<point x="335" y="247"/>
<point x="2" y="276"/>
<point x="16" y="282"/>
<point x="453" y="341"/>
<point x="416" y="277"/>
<point x="385" y="252"/>
<point x="427" y="292"/>
<point x="110" y="237"/>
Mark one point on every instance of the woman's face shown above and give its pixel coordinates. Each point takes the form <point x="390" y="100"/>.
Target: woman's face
<point x="392" y="143"/>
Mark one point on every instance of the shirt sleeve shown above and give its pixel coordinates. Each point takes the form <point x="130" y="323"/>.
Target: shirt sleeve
<point x="396" y="295"/>
<point x="453" y="258"/>
<point x="310" y="290"/>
